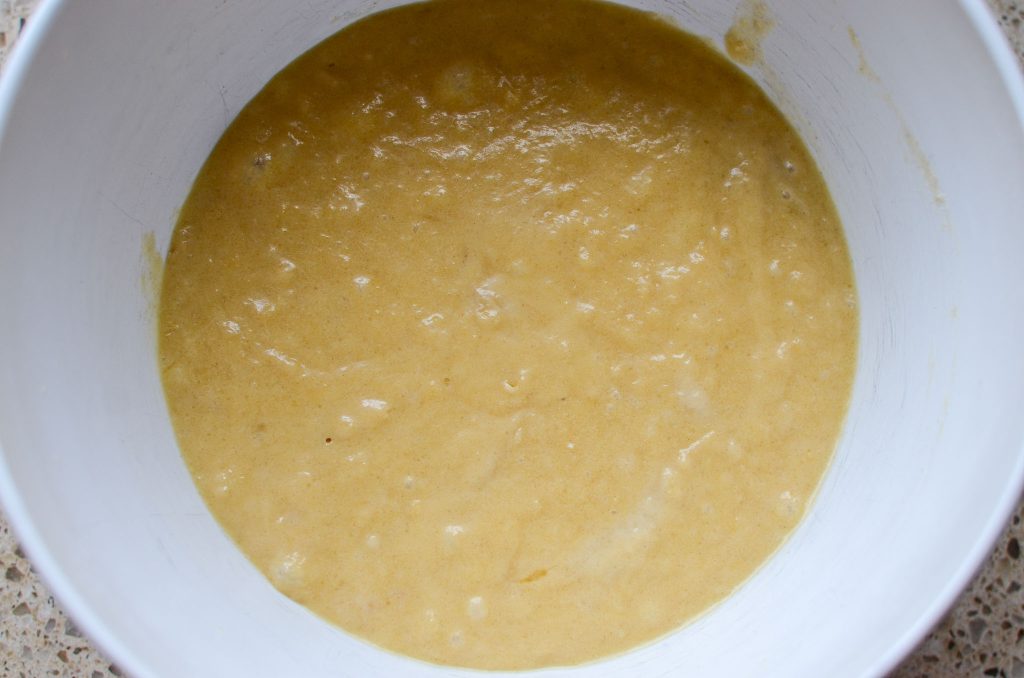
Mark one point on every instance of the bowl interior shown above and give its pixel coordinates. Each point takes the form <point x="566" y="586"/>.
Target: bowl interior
<point x="107" y="114"/>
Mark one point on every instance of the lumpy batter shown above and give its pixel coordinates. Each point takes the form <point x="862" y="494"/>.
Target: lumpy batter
<point x="508" y="334"/>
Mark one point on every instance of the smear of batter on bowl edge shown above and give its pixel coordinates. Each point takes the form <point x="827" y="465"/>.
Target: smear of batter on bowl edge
<point x="751" y="24"/>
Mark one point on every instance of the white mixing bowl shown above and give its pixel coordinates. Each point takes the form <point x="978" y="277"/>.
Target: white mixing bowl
<point x="109" y="108"/>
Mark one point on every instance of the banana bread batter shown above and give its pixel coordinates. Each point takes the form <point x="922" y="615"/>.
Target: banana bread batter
<point x="508" y="333"/>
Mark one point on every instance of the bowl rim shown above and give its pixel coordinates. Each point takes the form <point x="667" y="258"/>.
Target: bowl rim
<point x="1011" y="71"/>
<point x="24" y="527"/>
<point x="22" y="55"/>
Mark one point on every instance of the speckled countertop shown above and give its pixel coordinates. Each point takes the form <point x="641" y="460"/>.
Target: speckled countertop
<point x="982" y="636"/>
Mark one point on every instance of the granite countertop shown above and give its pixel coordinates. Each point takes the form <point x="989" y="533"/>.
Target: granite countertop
<point x="983" y="635"/>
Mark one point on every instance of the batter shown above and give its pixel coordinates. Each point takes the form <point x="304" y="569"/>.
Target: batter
<point x="508" y="333"/>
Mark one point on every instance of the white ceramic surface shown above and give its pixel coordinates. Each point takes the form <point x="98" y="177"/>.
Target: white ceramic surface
<point x="106" y="113"/>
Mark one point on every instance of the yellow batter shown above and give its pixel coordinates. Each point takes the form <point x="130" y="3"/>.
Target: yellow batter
<point x="508" y="333"/>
